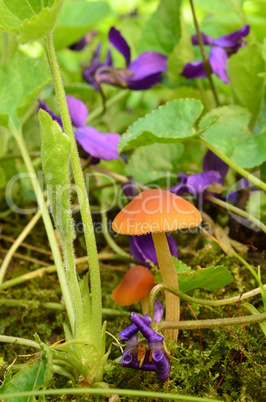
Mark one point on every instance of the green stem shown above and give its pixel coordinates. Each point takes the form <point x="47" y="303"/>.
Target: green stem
<point x="19" y="341"/>
<point x="73" y="285"/>
<point x="189" y="299"/>
<point x="112" y="101"/>
<point x="17" y="156"/>
<point x="237" y="211"/>
<point x="219" y="322"/>
<point x="49" y="228"/>
<point x="253" y="179"/>
<point x="16" y="245"/>
<point x="108" y="391"/>
<point x="206" y="63"/>
<point x="95" y="280"/>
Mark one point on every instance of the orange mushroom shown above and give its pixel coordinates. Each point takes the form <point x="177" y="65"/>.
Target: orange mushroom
<point x="156" y="212"/>
<point x="135" y="286"/>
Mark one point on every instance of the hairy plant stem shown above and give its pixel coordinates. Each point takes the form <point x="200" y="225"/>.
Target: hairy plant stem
<point x="237" y="211"/>
<point x="96" y="299"/>
<point x="16" y="245"/>
<point x="253" y="179"/>
<point x="48" y="226"/>
<point x="108" y="391"/>
<point x="206" y="63"/>
<point x="212" y="303"/>
<point x="215" y="323"/>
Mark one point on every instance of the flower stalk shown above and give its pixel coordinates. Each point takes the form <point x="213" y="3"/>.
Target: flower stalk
<point x="96" y="313"/>
<point x="204" y="57"/>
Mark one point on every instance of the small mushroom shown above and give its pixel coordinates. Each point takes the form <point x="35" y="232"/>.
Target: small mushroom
<point x="158" y="211"/>
<point x="135" y="286"/>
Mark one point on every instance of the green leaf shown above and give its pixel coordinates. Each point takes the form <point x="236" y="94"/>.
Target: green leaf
<point x="247" y="86"/>
<point x="76" y="19"/>
<point x="206" y="278"/>
<point x="182" y="53"/>
<point x="34" y="375"/>
<point x="153" y="162"/>
<point x="56" y="148"/>
<point x="231" y="135"/>
<point x="21" y="81"/>
<point x="162" y="30"/>
<point x="30" y="19"/>
<point x="170" y="123"/>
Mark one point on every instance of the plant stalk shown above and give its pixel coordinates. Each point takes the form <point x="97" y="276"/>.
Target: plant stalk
<point x="206" y="63"/>
<point x="48" y="226"/>
<point x="253" y="179"/>
<point x="96" y="299"/>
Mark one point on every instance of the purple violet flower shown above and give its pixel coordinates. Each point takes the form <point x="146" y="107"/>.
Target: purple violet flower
<point x="90" y="72"/>
<point x="81" y="43"/>
<point x="214" y="172"/>
<point x="142" y="73"/>
<point x="221" y="48"/>
<point x="136" y="355"/>
<point x="142" y="249"/>
<point x="98" y="145"/>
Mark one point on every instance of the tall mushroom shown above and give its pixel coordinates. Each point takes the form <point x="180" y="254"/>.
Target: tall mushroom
<point x="156" y="212"/>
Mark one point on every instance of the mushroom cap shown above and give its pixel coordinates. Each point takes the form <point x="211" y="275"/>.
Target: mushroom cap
<point x="135" y="286"/>
<point x="156" y="211"/>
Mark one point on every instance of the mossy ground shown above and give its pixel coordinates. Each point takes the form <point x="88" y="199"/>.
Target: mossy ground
<point x="225" y="363"/>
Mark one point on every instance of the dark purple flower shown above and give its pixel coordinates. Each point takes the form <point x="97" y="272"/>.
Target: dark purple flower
<point x="80" y="44"/>
<point x="137" y="355"/>
<point x="195" y="183"/>
<point x="142" y="249"/>
<point x="98" y="145"/>
<point x="142" y="73"/>
<point x="95" y="64"/>
<point x="221" y="48"/>
<point x="213" y="162"/>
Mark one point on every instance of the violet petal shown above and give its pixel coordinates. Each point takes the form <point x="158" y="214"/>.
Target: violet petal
<point x="144" y="83"/>
<point x="213" y="162"/>
<point x="143" y="250"/>
<point x="162" y="364"/>
<point x="158" y="311"/>
<point x="130" y="331"/>
<point x="98" y="145"/>
<point x="78" y="111"/>
<point x="146" y="331"/>
<point x="207" y="40"/>
<point x="147" y="64"/>
<point x="79" y="45"/>
<point x="195" y="69"/>
<point x="218" y="58"/>
<point x="230" y="40"/>
<point x="117" y="40"/>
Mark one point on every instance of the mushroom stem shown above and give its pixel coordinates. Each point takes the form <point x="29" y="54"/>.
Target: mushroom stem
<point x="169" y="275"/>
<point x="145" y="305"/>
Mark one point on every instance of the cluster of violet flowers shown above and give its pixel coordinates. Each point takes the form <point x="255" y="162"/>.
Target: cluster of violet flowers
<point x="154" y="358"/>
